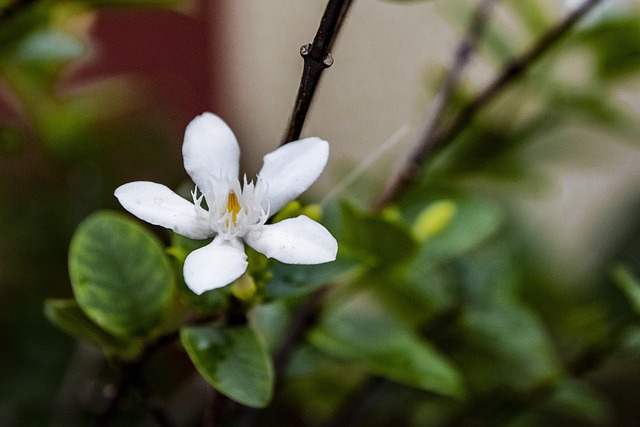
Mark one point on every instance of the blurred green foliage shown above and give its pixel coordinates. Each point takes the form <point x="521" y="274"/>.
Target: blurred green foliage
<point x="63" y="148"/>
<point x="466" y="324"/>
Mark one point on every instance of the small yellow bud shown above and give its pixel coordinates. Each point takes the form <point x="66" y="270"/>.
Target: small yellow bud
<point x="391" y="214"/>
<point x="289" y="210"/>
<point x="313" y="211"/>
<point x="244" y="288"/>
<point x="433" y="219"/>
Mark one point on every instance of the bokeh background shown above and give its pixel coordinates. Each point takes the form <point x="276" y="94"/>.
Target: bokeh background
<point x="94" y="94"/>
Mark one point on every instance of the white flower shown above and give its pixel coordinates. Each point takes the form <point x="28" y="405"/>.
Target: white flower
<point x="235" y="213"/>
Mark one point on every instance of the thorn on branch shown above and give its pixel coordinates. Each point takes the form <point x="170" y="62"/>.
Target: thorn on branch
<point x="317" y="58"/>
<point x="305" y="52"/>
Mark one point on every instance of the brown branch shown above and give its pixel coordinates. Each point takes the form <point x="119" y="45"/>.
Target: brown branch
<point x="461" y="59"/>
<point x="439" y="137"/>
<point x="317" y="57"/>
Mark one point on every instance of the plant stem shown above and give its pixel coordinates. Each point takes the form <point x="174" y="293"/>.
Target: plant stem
<point x="131" y="376"/>
<point x="440" y="136"/>
<point x="463" y="54"/>
<point x="317" y="57"/>
<point x="302" y="320"/>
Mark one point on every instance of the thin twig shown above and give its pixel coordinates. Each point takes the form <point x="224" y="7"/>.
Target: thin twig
<point x="442" y="136"/>
<point x="152" y="402"/>
<point x="461" y="59"/>
<point x="129" y="371"/>
<point x="317" y="57"/>
<point x="302" y="320"/>
<point x="217" y="410"/>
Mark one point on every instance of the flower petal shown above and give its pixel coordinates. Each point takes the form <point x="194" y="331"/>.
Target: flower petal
<point x="210" y="150"/>
<point x="291" y="169"/>
<point x="215" y="265"/>
<point x="158" y="205"/>
<point x="298" y="240"/>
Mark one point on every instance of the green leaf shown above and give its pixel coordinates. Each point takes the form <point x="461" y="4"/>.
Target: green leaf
<point x="294" y="280"/>
<point x="362" y="332"/>
<point x="387" y="242"/>
<point x="68" y="316"/>
<point x="233" y="360"/>
<point x="616" y="42"/>
<point x="577" y="400"/>
<point x="474" y="222"/>
<point x="629" y="285"/>
<point x="533" y="14"/>
<point x="630" y="341"/>
<point x="505" y="347"/>
<point x="120" y="275"/>
<point x="571" y="402"/>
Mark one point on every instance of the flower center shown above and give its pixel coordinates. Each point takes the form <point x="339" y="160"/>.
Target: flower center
<point x="233" y="207"/>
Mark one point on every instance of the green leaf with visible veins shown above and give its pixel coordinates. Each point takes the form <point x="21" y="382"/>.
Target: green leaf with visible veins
<point x="361" y="331"/>
<point x="120" y="274"/>
<point x="233" y="360"/>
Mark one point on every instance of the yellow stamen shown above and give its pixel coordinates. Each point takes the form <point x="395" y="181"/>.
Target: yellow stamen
<point x="233" y="206"/>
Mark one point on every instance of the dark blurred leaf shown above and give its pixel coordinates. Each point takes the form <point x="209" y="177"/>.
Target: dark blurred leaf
<point x="474" y="221"/>
<point x="294" y="280"/>
<point x="11" y="141"/>
<point x="67" y="315"/>
<point x="616" y="43"/>
<point x="505" y="347"/>
<point x="19" y="21"/>
<point x="533" y="13"/>
<point x="418" y="294"/>
<point x="362" y="332"/>
<point x="388" y="243"/>
<point x="630" y="342"/>
<point x="500" y="343"/>
<point x="317" y="384"/>
<point x="577" y="400"/>
<point x="571" y="402"/>
<point x="233" y="360"/>
<point x="120" y="275"/>
<point x="629" y="285"/>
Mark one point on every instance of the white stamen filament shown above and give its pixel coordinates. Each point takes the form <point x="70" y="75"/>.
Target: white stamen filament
<point x="234" y="210"/>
